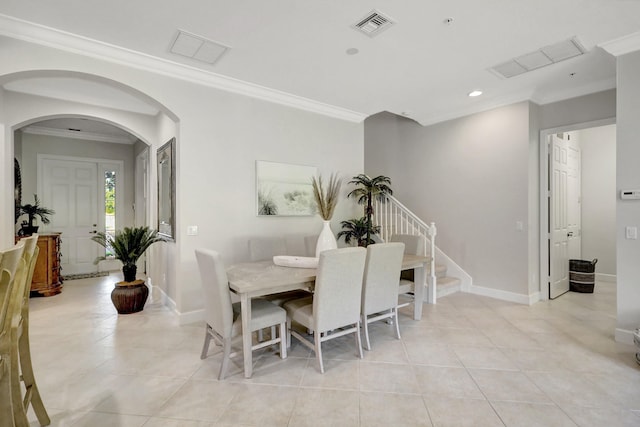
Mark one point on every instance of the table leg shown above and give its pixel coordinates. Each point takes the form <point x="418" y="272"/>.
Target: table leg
<point x="245" y="305"/>
<point x="420" y="276"/>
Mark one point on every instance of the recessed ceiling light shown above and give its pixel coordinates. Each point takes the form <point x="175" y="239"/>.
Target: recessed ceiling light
<point x="448" y="21"/>
<point x="475" y="93"/>
<point x="352" y="51"/>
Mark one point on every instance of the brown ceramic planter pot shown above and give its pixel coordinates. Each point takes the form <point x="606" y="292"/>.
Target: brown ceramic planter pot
<point x="129" y="297"/>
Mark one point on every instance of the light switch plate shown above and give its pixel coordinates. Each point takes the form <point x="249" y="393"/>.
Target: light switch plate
<point x="631" y="233"/>
<point x="192" y="230"/>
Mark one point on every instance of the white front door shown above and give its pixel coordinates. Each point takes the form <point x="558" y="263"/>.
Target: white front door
<point x="70" y="188"/>
<point x="558" y="218"/>
<point x="78" y="189"/>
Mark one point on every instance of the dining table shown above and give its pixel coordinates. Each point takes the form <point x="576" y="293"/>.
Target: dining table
<point x="259" y="278"/>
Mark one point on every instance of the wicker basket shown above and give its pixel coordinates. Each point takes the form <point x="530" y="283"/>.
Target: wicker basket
<point x="582" y="276"/>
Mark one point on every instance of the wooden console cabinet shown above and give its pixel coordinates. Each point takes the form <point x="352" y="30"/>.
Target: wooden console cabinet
<point x="46" y="276"/>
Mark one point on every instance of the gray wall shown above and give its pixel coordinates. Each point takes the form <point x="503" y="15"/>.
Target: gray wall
<point x="598" y="146"/>
<point x="476" y="177"/>
<point x="33" y="144"/>
<point x="583" y="109"/>
<point x="628" y="177"/>
<point x="219" y="137"/>
<point x="469" y="176"/>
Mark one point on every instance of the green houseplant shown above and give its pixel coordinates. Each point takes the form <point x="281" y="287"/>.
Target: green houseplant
<point x="128" y="245"/>
<point x="358" y="230"/>
<point x="367" y="189"/>
<point x="32" y="211"/>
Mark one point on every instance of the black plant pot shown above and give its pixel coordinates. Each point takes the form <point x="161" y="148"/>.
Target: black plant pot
<point x="129" y="271"/>
<point x="28" y="230"/>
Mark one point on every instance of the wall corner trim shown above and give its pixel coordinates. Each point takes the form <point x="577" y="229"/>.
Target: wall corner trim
<point x="623" y="45"/>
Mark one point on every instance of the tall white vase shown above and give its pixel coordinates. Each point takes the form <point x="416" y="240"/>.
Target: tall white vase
<point x="326" y="239"/>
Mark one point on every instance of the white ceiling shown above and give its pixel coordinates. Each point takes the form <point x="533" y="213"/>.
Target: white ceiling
<point x="81" y="128"/>
<point x="421" y="67"/>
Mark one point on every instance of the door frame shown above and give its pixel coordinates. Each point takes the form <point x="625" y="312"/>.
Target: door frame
<point x="42" y="157"/>
<point x="545" y="192"/>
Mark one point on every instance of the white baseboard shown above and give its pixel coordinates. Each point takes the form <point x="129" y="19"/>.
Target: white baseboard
<point x="504" y="295"/>
<point x="183" y="318"/>
<point x="600" y="277"/>
<point x="162" y="296"/>
<point x="624" y="336"/>
<point x="534" y="298"/>
<point x="195" y="316"/>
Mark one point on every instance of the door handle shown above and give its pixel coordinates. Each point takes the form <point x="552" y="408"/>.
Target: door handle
<point x="93" y="232"/>
<point x="570" y="234"/>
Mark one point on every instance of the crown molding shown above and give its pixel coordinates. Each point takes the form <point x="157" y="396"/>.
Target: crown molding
<point x="88" y="136"/>
<point x="46" y="36"/>
<point x="623" y="45"/>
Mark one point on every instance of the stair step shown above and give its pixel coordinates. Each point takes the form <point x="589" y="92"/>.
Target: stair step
<point x="446" y="286"/>
<point x="441" y="270"/>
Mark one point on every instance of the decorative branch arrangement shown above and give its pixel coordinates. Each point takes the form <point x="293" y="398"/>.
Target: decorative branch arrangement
<point x="326" y="199"/>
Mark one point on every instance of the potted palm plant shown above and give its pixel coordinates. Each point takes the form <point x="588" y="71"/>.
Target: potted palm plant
<point x="32" y="211"/>
<point x="127" y="246"/>
<point x="367" y="189"/>
<point x="358" y="230"/>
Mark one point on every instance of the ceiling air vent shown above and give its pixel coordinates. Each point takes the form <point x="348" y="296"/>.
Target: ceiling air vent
<point x="373" y="23"/>
<point x="197" y="47"/>
<point x="540" y="58"/>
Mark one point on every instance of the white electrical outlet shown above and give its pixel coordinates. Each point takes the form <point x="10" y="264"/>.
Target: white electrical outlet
<point x="192" y="230"/>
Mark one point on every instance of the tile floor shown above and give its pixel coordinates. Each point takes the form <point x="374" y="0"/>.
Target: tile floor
<point x="471" y="361"/>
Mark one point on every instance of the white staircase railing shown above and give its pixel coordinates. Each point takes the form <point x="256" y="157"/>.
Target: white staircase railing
<point x="394" y="218"/>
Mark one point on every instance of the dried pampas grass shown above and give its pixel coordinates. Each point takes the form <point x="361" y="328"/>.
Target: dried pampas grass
<point x="326" y="200"/>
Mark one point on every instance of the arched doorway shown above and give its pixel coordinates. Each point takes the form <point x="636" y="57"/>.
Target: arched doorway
<point x="86" y="171"/>
<point x="36" y="96"/>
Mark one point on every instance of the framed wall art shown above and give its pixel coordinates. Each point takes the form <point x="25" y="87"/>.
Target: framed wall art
<point x="284" y="189"/>
<point x="167" y="189"/>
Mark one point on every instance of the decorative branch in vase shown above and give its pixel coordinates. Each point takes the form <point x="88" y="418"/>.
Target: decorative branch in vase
<point x="326" y="201"/>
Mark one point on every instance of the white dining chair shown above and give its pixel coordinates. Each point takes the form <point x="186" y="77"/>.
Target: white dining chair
<point x="413" y="245"/>
<point x="265" y="248"/>
<point x="310" y="243"/>
<point x="334" y="310"/>
<point x="380" y="286"/>
<point x="223" y="322"/>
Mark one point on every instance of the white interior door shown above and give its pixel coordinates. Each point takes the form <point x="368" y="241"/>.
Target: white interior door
<point x="574" y="197"/>
<point x="558" y="217"/>
<point x="71" y="189"/>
